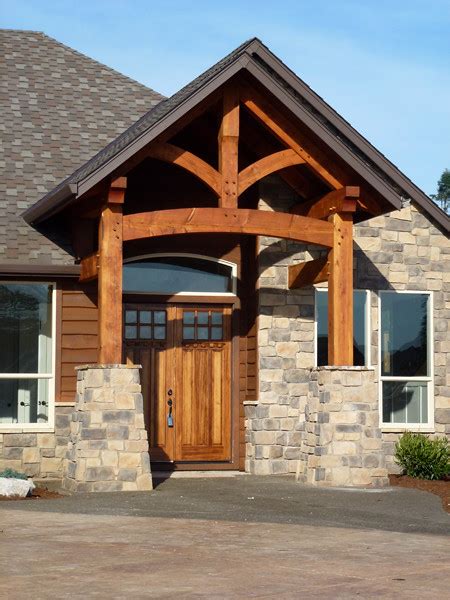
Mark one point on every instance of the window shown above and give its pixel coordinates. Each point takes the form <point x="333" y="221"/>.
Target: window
<point x="361" y="330"/>
<point x="145" y="324"/>
<point x="406" y="358"/>
<point x="177" y="274"/>
<point x="26" y="353"/>
<point x="202" y="325"/>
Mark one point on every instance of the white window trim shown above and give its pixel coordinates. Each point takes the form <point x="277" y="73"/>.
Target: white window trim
<point x="50" y="425"/>
<point x="428" y="427"/>
<point x="221" y="261"/>
<point x="367" y="328"/>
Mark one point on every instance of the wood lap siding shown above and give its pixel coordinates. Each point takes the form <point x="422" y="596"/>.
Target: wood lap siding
<point x="79" y="335"/>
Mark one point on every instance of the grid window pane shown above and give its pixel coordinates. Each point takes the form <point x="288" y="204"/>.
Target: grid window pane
<point x="131" y="332"/>
<point x="216" y="333"/>
<point x="145" y="332"/>
<point x="188" y="333"/>
<point x="131" y="316"/>
<point x="405" y="402"/>
<point x="159" y="332"/>
<point x="202" y="333"/>
<point x="202" y="318"/>
<point x="188" y="317"/>
<point x="159" y="317"/>
<point x="145" y="316"/>
<point x="216" y="318"/>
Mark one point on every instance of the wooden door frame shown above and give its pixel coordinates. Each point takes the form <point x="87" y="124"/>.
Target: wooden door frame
<point x="198" y="301"/>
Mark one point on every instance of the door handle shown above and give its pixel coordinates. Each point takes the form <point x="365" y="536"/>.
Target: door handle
<point x="169" y="416"/>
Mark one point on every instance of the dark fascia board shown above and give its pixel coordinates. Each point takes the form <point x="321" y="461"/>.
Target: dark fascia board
<point x="53" y="204"/>
<point x="415" y="193"/>
<point x="13" y="270"/>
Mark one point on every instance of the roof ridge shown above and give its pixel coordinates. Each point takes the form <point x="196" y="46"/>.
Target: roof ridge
<point x="89" y="58"/>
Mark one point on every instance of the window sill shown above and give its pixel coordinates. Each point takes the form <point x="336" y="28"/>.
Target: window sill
<point x="25" y="429"/>
<point x="403" y="429"/>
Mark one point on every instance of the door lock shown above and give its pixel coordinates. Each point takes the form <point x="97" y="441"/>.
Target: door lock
<point x="169" y="416"/>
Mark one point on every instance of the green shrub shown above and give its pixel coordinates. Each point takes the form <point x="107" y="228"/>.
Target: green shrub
<point x="12" y="474"/>
<point x="422" y="457"/>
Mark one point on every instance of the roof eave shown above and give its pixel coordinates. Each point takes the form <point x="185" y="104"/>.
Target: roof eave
<point x="50" y="204"/>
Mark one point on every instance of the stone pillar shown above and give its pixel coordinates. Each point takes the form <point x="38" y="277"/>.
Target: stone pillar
<point x="108" y="444"/>
<point x="342" y="443"/>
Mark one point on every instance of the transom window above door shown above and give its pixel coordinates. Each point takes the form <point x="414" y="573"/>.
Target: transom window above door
<point x="179" y="274"/>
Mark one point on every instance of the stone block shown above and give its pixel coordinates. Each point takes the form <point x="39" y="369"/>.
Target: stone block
<point x="127" y="475"/>
<point x="31" y="455"/>
<point x="109" y="458"/>
<point x="130" y="460"/>
<point x="20" y="440"/>
<point x="100" y="474"/>
<point x="144" y="482"/>
<point x="11" y="453"/>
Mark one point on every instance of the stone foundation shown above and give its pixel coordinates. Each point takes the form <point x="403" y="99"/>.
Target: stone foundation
<point x="38" y="454"/>
<point x="108" y="446"/>
<point x="342" y="443"/>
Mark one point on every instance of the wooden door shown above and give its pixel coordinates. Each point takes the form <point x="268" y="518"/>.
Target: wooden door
<point x="185" y="353"/>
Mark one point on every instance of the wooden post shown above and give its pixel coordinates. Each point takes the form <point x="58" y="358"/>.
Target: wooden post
<point x="340" y="291"/>
<point x="110" y="275"/>
<point x="228" y="149"/>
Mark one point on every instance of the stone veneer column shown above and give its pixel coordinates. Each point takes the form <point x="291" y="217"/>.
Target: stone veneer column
<point x="108" y="444"/>
<point x="342" y="440"/>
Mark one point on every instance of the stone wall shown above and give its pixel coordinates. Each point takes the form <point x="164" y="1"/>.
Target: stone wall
<point x="400" y="251"/>
<point x="108" y="445"/>
<point x="39" y="455"/>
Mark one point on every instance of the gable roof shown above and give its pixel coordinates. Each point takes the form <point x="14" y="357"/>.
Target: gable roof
<point x="58" y="108"/>
<point x="297" y="96"/>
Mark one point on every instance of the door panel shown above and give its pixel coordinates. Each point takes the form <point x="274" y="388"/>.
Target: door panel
<point x="185" y="349"/>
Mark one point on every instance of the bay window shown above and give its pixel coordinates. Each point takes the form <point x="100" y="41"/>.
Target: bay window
<point x="405" y="358"/>
<point x="26" y="354"/>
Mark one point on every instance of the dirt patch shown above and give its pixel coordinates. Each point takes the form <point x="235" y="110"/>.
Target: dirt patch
<point x="440" y="488"/>
<point x="38" y="492"/>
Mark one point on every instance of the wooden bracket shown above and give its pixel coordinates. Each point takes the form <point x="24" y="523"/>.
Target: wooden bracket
<point x="267" y="165"/>
<point x="89" y="267"/>
<point x="343" y="200"/>
<point x="308" y="273"/>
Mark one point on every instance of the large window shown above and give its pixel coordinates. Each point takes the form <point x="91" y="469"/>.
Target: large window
<point x="26" y="353"/>
<point x="406" y="359"/>
<point x="178" y="274"/>
<point x="361" y="331"/>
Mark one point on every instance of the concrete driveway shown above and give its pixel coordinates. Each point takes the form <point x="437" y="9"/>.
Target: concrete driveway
<point x="242" y="537"/>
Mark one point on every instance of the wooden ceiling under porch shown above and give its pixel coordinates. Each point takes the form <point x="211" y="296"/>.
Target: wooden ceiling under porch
<point x="229" y="143"/>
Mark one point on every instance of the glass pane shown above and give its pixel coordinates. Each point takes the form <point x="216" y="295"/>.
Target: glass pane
<point x="404" y="334"/>
<point x="216" y="333"/>
<point x="202" y="318"/>
<point x="216" y="318"/>
<point x="159" y="332"/>
<point x="173" y="274"/>
<point x="145" y="332"/>
<point x="188" y="318"/>
<point x="145" y="316"/>
<point x="130" y="332"/>
<point x="25" y="328"/>
<point x="159" y="316"/>
<point x="130" y="316"/>
<point x="405" y="402"/>
<point x="24" y="400"/>
<point x="202" y="333"/>
<point x="188" y="333"/>
<point x="359" y="327"/>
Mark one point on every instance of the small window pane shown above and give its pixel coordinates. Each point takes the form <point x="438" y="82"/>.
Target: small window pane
<point x="359" y="328"/>
<point x="404" y="334"/>
<point x="202" y="318"/>
<point x="159" y="332"/>
<point x="145" y="316"/>
<point x="188" y="333"/>
<point x="188" y="317"/>
<point x="405" y="402"/>
<point x="130" y="316"/>
<point x="130" y="332"/>
<point x="216" y="333"/>
<point x="24" y="400"/>
<point x="216" y="318"/>
<point x="202" y="333"/>
<point x="145" y="332"/>
<point x="159" y="317"/>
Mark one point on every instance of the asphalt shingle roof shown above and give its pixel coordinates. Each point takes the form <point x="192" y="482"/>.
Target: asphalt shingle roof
<point x="58" y="109"/>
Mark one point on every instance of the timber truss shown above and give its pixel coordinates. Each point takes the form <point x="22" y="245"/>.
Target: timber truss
<point x="326" y="221"/>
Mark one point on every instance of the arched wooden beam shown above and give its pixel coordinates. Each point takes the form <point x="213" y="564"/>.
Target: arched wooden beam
<point x="266" y="166"/>
<point x="186" y="160"/>
<point x="227" y="220"/>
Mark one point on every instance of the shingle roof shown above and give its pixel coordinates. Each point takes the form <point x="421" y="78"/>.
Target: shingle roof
<point x="58" y="108"/>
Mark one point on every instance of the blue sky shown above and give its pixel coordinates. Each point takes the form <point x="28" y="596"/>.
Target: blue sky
<point x="383" y="64"/>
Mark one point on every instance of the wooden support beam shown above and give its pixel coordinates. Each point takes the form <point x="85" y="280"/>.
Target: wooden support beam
<point x="188" y="161"/>
<point x="89" y="267"/>
<point x="281" y="127"/>
<point x="228" y="148"/>
<point x="340" y="292"/>
<point x="110" y="275"/>
<point x="226" y="220"/>
<point x="267" y="165"/>
<point x="308" y="273"/>
<point x="342" y="200"/>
